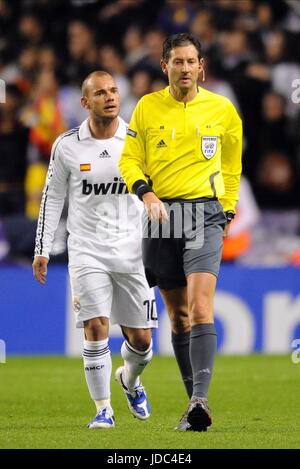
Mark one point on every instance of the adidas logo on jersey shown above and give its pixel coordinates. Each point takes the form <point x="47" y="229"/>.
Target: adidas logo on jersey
<point x="104" y="154"/>
<point x="161" y="144"/>
<point x="117" y="187"/>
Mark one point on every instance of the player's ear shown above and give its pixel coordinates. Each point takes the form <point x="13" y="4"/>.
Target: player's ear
<point x="164" y="67"/>
<point x="84" y="102"/>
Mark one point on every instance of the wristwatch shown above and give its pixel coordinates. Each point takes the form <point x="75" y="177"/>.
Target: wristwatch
<point x="229" y="215"/>
<point x="140" y="188"/>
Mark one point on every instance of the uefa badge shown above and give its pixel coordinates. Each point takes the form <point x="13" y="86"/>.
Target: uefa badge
<point x="209" y="146"/>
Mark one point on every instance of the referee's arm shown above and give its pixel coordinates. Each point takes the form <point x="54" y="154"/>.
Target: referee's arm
<point x="132" y="167"/>
<point x="132" y="161"/>
<point x="231" y="161"/>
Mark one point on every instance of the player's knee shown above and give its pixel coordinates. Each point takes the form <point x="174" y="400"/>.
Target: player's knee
<point x="141" y="340"/>
<point x="96" y="329"/>
<point x="141" y="344"/>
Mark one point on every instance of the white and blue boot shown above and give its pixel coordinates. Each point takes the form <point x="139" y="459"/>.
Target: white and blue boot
<point x="104" y="419"/>
<point x="136" y="399"/>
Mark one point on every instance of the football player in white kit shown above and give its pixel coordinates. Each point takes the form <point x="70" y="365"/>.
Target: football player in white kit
<point x="104" y="246"/>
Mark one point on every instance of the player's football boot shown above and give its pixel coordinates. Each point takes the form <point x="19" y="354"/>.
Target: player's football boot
<point x="199" y="414"/>
<point x="136" y="399"/>
<point x="104" y="419"/>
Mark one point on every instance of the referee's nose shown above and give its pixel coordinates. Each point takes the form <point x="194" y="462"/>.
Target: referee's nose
<point x="185" y="67"/>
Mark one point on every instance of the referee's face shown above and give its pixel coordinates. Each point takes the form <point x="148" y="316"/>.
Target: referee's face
<point x="102" y="98"/>
<point x="183" y="68"/>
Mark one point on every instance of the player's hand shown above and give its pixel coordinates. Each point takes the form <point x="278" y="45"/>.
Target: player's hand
<point x="155" y="208"/>
<point x="226" y="230"/>
<point x="39" y="267"/>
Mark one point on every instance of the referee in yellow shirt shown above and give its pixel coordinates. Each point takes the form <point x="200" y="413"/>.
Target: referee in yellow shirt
<point x="182" y="157"/>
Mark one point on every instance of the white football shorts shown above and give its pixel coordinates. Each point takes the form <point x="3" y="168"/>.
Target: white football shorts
<point x="124" y="298"/>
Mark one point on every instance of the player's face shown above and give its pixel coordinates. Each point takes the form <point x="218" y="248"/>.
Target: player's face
<point x="183" y="68"/>
<point x="102" y="99"/>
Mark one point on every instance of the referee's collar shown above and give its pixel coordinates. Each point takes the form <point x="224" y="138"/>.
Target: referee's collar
<point x="84" y="130"/>
<point x="196" y="99"/>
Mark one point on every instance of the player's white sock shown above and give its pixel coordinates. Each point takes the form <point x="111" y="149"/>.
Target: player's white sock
<point x="102" y="403"/>
<point x="135" y="362"/>
<point x="97" y="369"/>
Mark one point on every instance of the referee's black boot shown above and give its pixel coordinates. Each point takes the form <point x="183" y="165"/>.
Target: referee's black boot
<point x="198" y="414"/>
<point x="183" y="425"/>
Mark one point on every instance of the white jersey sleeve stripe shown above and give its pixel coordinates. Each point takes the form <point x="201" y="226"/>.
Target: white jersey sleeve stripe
<point x="41" y="220"/>
<point x="40" y="233"/>
<point x="52" y="200"/>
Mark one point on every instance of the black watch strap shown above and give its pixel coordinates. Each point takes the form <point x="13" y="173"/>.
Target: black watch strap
<point x="229" y="216"/>
<point x="140" y="188"/>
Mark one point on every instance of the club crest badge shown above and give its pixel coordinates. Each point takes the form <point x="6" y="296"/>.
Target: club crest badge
<point x="209" y="146"/>
<point x="76" y="305"/>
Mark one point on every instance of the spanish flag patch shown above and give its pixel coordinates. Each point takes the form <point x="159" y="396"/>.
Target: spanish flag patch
<point x="85" y="167"/>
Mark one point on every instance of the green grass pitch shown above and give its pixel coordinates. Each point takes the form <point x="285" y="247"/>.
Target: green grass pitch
<point x="255" y="401"/>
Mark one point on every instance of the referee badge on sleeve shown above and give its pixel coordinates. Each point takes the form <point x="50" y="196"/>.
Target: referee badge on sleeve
<point x="132" y="133"/>
<point x="209" y="146"/>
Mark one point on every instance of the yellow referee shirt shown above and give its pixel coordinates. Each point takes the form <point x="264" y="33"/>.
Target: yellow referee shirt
<point x="189" y="150"/>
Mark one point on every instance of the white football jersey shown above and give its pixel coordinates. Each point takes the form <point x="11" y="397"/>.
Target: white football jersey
<point x="104" y="220"/>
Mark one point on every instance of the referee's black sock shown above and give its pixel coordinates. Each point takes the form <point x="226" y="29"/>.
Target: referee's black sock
<point x="203" y="347"/>
<point x="181" y="346"/>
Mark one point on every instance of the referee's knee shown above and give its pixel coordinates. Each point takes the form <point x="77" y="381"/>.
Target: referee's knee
<point x="179" y="327"/>
<point x="180" y="321"/>
<point x="202" y="313"/>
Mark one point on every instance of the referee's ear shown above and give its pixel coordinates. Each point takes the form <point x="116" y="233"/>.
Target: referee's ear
<point x="164" y="66"/>
<point x="201" y="68"/>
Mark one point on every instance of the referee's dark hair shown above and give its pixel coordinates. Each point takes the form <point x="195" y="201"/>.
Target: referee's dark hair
<point x="177" y="40"/>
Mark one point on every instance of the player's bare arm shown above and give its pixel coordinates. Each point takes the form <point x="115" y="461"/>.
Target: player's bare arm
<point x="39" y="267"/>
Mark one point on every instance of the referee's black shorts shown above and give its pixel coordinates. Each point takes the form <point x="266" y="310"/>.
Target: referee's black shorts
<point x="191" y="241"/>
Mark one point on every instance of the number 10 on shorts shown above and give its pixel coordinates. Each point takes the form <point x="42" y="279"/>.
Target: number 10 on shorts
<point x="151" y="310"/>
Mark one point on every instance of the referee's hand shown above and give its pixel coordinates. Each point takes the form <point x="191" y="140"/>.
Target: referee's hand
<point x="39" y="267"/>
<point x="155" y="208"/>
<point x="226" y="230"/>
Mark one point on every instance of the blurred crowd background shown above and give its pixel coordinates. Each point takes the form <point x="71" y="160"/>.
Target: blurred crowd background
<point x="252" y="56"/>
